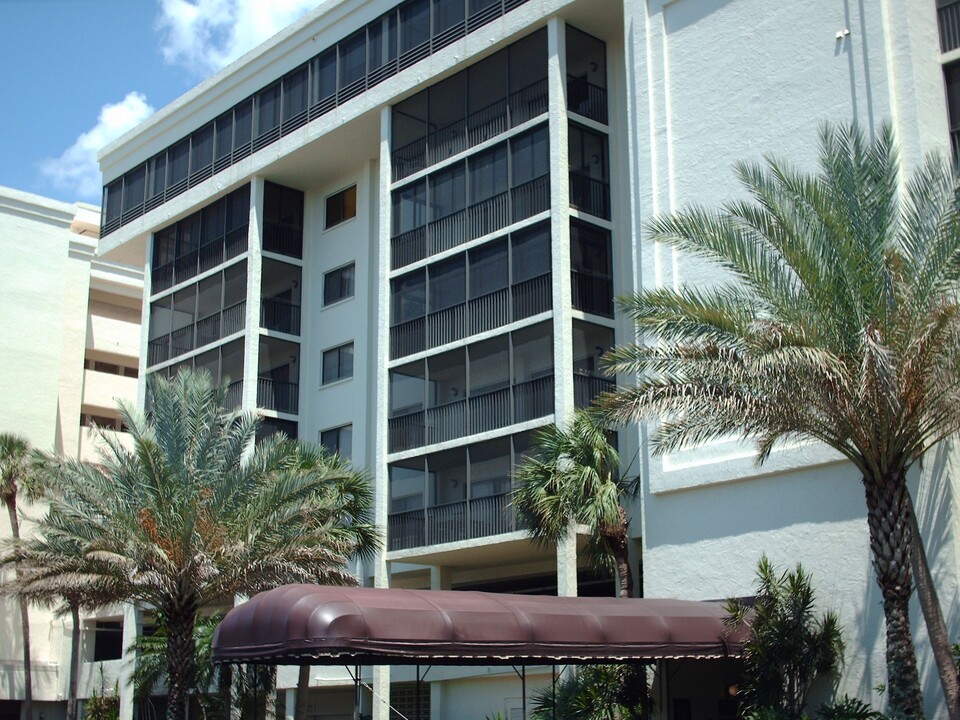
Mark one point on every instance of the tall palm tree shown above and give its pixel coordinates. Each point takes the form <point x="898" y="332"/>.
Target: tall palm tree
<point x="17" y="479"/>
<point x="836" y="319"/>
<point x="196" y="513"/>
<point x="572" y="474"/>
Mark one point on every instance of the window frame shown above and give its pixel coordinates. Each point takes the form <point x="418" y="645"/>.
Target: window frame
<point x="338" y="349"/>
<point x="338" y="448"/>
<point x="338" y="273"/>
<point x="340" y="194"/>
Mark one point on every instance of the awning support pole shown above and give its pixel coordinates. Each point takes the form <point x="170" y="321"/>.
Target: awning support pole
<point x="553" y="676"/>
<point x="418" y="692"/>
<point x="522" y="674"/>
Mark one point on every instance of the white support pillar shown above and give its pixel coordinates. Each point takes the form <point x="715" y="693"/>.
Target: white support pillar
<point x="132" y="619"/>
<point x="251" y="337"/>
<point x="381" y="570"/>
<point x="560" y="257"/>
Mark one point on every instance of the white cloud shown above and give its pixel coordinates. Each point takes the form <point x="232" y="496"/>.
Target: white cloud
<point x="205" y="35"/>
<point x="76" y="170"/>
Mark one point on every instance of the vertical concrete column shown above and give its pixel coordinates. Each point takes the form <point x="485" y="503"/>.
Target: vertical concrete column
<point x="145" y="326"/>
<point x="290" y="703"/>
<point x="560" y="269"/>
<point x="381" y="351"/>
<point x="132" y="619"/>
<point x="251" y="337"/>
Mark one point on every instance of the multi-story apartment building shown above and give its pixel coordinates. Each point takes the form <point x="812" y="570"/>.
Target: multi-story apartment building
<point x="71" y="325"/>
<point x="399" y="228"/>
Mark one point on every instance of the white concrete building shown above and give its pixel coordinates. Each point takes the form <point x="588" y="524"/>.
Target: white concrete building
<point x="398" y="229"/>
<point x="71" y="326"/>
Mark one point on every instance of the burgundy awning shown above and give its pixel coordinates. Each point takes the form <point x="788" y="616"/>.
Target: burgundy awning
<point x="320" y="625"/>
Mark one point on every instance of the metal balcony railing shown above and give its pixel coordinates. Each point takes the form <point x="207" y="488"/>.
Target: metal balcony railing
<point x="477" y="315"/>
<point x="487" y="122"/>
<point x="482" y="218"/>
<point x="452" y="522"/>
<point x="211" y="254"/>
<point x="204" y="331"/>
<point x="234" y="395"/>
<point x="592" y="294"/>
<point x="587" y="99"/>
<point x="590" y="195"/>
<point x="948" y="19"/>
<point x="475" y="414"/>
<point x="587" y="387"/>
<point x="280" y="315"/>
<point x="277" y="395"/>
<point x="283" y="239"/>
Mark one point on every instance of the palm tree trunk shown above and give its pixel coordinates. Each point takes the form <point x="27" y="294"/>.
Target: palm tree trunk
<point x="303" y="687"/>
<point x="933" y="617"/>
<point x="617" y="542"/>
<point x="888" y="517"/>
<point x="27" y="708"/>
<point x="74" y="663"/>
<point x="181" y="654"/>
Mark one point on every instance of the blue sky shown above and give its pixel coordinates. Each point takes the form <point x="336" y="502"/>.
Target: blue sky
<point x="74" y="74"/>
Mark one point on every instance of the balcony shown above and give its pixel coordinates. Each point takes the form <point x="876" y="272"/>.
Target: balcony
<point x="280" y="315"/>
<point x="190" y="265"/>
<point x="488" y="216"/>
<point x="475" y="414"/>
<point x="234" y="396"/>
<point x="587" y="387"/>
<point x="488" y="122"/>
<point x="587" y="99"/>
<point x="590" y="195"/>
<point x="948" y="19"/>
<point x="478" y="315"/>
<point x="283" y="238"/>
<point x="102" y="390"/>
<point x="452" y="522"/>
<point x="276" y="395"/>
<point x="592" y="294"/>
<point x="204" y="331"/>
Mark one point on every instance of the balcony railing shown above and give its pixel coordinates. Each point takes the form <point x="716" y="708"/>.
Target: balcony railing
<point x="478" y="413"/>
<point x="592" y="294"/>
<point x="590" y="195"/>
<point x="280" y="315"/>
<point x="204" y="331"/>
<point x="452" y="522"/>
<point x="587" y="387"/>
<point x="234" y="395"/>
<point x="485" y="217"/>
<point x="487" y="122"/>
<point x="277" y="395"/>
<point x="587" y="99"/>
<point x="191" y="264"/>
<point x="486" y="312"/>
<point x="283" y="239"/>
<point x="948" y="18"/>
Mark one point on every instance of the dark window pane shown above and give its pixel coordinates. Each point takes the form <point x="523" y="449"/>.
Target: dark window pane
<point x="448" y="191"/>
<point x="164" y="246"/>
<point x="201" y="151"/>
<point x="353" y="54"/>
<point x="224" y="135"/>
<point x="414" y="24"/>
<point x="268" y="109"/>
<point x="590" y="250"/>
<point x="324" y="83"/>
<point x="243" y="123"/>
<point x="447" y="283"/>
<point x="489" y="268"/>
<point x="488" y="174"/>
<point x="341" y="206"/>
<point x="446" y="14"/>
<point x="338" y="441"/>
<point x="111" y="199"/>
<point x="382" y="40"/>
<point x="338" y="363"/>
<point x="295" y="93"/>
<point x="338" y="284"/>
<point x="133" y="185"/>
<point x="531" y="253"/>
<point x="531" y="156"/>
<point x="408" y="299"/>
<point x="158" y="175"/>
<point x="410" y="207"/>
<point x="179" y="161"/>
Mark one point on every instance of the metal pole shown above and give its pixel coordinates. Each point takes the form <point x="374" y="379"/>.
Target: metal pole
<point x="523" y="687"/>
<point x="418" y="692"/>
<point x="553" y="675"/>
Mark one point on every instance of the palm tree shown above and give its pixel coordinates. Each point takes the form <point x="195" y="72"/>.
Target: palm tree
<point x="836" y="319"/>
<point x="16" y="478"/>
<point x="573" y="475"/>
<point x="196" y="513"/>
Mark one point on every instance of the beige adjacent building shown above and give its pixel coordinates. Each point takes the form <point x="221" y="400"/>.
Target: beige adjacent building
<point x="71" y="329"/>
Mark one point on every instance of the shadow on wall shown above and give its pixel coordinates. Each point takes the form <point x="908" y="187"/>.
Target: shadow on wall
<point x="682" y="14"/>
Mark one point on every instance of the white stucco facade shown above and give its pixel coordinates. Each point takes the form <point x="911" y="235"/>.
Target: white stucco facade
<point x="690" y="88"/>
<point x="71" y="325"/>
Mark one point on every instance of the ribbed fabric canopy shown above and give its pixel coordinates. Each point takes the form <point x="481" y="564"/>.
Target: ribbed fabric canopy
<point x="320" y="625"/>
